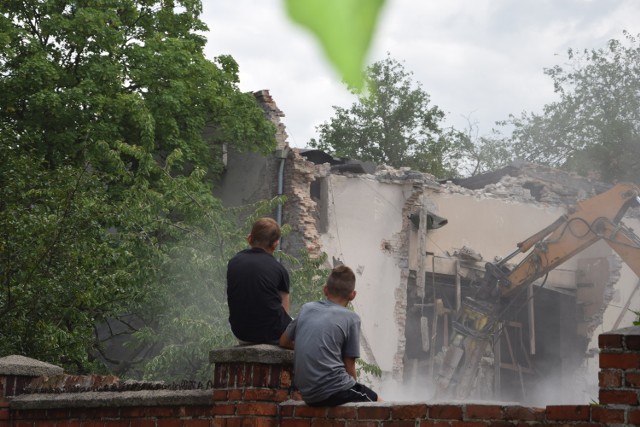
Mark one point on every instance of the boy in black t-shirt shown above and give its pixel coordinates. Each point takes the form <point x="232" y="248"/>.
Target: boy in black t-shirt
<point x="258" y="288"/>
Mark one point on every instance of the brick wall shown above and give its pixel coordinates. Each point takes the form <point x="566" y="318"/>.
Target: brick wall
<point x="252" y="387"/>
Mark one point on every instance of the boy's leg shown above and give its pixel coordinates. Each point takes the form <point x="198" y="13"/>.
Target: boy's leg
<point x="357" y="393"/>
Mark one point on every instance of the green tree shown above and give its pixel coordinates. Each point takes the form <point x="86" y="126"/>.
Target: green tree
<point x="594" y="127"/>
<point x="393" y="123"/>
<point x="112" y="123"/>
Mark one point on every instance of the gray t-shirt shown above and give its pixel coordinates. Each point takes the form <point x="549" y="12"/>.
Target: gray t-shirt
<point x="324" y="333"/>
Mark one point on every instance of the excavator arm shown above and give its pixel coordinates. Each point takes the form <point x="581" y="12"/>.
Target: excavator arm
<point x="588" y="222"/>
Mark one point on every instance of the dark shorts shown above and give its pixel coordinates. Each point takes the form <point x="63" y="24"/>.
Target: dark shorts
<point x="357" y="393"/>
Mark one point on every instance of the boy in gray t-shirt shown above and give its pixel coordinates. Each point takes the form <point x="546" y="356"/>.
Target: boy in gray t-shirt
<point x="327" y="343"/>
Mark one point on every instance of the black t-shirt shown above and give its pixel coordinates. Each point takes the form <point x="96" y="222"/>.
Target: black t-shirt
<point x="254" y="282"/>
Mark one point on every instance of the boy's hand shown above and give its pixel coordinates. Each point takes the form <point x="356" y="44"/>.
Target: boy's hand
<point x="285" y="341"/>
<point x="350" y="366"/>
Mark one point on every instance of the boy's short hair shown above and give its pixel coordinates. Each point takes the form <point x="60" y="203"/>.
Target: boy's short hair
<point x="265" y="232"/>
<point x="341" y="281"/>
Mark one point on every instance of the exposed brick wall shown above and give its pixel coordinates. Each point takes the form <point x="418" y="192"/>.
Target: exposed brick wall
<point x="257" y="391"/>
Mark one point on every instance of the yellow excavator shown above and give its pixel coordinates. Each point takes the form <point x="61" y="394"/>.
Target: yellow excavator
<point x="590" y="220"/>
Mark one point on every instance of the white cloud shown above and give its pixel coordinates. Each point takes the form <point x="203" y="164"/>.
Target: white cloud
<point x="483" y="58"/>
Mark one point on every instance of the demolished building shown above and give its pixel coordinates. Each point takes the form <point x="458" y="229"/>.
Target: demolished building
<point x="419" y="248"/>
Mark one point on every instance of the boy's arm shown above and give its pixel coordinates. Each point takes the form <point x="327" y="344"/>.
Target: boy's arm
<point x="285" y="341"/>
<point x="350" y="366"/>
<point x="285" y="301"/>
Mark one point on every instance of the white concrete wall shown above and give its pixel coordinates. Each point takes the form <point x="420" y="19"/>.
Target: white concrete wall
<point x="362" y="214"/>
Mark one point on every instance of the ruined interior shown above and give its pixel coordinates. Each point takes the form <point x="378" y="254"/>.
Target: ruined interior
<point x="419" y="249"/>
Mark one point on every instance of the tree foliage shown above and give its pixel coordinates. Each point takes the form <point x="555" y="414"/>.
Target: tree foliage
<point x="393" y="123"/>
<point x="594" y="128"/>
<point x="111" y="127"/>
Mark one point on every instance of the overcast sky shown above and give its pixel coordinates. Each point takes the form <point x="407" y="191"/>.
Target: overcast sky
<point x="480" y="60"/>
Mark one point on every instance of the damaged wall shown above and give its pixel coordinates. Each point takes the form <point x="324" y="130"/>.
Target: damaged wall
<point x="371" y="220"/>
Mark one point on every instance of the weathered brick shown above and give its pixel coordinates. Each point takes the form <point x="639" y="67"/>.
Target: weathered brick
<point x="620" y="360"/>
<point x="310" y="411"/>
<point x="522" y="413"/>
<point x="634" y="417"/>
<point x="408" y="412"/>
<point x="356" y="423"/>
<point x="116" y="423"/>
<point x="632" y="379"/>
<point x="470" y="424"/>
<point x="169" y="422"/>
<point x="224" y="409"/>
<point x="234" y="395"/>
<point x="483" y="412"/>
<point x="433" y="424"/>
<point x="146" y="422"/>
<point x="296" y="423"/>
<point x="623" y="397"/>
<point x="632" y="342"/>
<point x="256" y="408"/>
<point x="286" y="410"/>
<point x="317" y="422"/>
<point x="445" y="412"/>
<point x="221" y="375"/>
<point x="237" y="375"/>
<point x="285" y="378"/>
<point x="609" y="378"/>
<point x="219" y="394"/>
<point x="274" y="376"/>
<point x="610" y="341"/>
<point x="266" y="394"/>
<point x="568" y="412"/>
<point x="346" y="412"/>
<point x="606" y="415"/>
<point x="373" y="412"/>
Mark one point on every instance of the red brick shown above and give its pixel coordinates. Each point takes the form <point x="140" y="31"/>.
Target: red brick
<point x="295" y="395"/>
<point x="373" y="412"/>
<point x="90" y="423"/>
<point x="116" y="423"/>
<point x="260" y="374"/>
<point x="609" y="378"/>
<point x="433" y="424"/>
<point x="143" y="423"/>
<point x="326" y="423"/>
<point x="259" y="422"/>
<point x="310" y="411"/>
<point x="256" y="408"/>
<point x="568" y="412"/>
<point x="445" y="412"/>
<point x="274" y="377"/>
<point x="169" y="422"/>
<point x="23" y="424"/>
<point x="624" y="397"/>
<point x="606" y="415"/>
<point x="219" y="394"/>
<point x="632" y="342"/>
<point x="237" y="375"/>
<point x="224" y="409"/>
<point x="346" y="412"/>
<point x="483" y="412"/>
<point x="521" y="413"/>
<point x="4" y="415"/>
<point x="271" y="395"/>
<point x="219" y="422"/>
<point x="634" y="417"/>
<point x="408" y="412"/>
<point x="354" y="423"/>
<point x="470" y="424"/>
<point x="198" y="411"/>
<point x="620" y="360"/>
<point x="234" y="395"/>
<point x="399" y="423"/>
<point x="295" y="423"/>
<point x="632" y="379"/>
<point x="285" y="378"/>
<point x="286" y="410"/>
<point x="610" y="341"/>
<point x="221" y="375"/>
